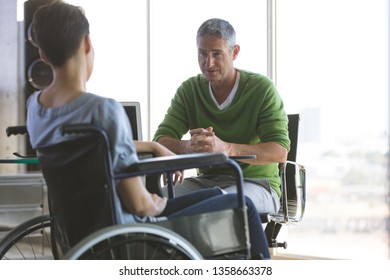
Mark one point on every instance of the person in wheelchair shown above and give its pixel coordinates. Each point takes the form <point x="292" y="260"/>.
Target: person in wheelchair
<point x="229" y="110"/>
<point x="61" y="31"/>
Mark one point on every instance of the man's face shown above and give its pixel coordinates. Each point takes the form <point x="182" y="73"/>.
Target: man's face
<point x="215" y="58"/>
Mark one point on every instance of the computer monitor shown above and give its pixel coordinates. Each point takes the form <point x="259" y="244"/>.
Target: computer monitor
<point x="133" y="111"/>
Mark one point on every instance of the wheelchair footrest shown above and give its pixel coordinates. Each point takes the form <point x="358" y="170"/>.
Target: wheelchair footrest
<point x="214" y="234"/>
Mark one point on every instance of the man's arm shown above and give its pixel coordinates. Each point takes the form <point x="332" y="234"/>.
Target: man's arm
<point x="268" y="152"/>
<point x="205" y="140"/>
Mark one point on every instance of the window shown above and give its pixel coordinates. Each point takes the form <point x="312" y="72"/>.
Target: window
<point x="145" y="49"/>
<point x="119" y="34"/>
<point x="173" y="26"/>
<point x="333" y="69"/>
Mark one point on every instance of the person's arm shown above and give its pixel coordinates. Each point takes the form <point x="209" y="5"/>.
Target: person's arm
<point x="158" y="150"/>
<point x="205" y="140"/>
<point x="134" y="196"/>
<point x="268" y="152"/>
<point x="137" y="200"/>
<point x="155" y="148"/>
<point x="175" y="145"/>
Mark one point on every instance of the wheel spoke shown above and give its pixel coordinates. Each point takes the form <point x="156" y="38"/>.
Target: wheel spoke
<point x="29" y="240"/>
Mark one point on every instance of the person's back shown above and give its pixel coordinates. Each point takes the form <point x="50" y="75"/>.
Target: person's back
<point x="62" y="34"/>
<point x="44" y="124"/>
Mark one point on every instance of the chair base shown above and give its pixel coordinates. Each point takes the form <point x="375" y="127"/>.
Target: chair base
<point x="271" y="231"/>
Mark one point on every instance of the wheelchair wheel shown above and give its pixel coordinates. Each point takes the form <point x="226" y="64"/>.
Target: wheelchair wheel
<point x="30" y="240"/>
<point x="134" y="242"/>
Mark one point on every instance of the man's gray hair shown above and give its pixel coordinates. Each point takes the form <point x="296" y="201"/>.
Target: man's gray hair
<point x="219" y="28"/>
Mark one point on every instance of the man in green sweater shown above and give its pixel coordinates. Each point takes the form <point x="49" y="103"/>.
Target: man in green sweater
<point x="228" y="110"/>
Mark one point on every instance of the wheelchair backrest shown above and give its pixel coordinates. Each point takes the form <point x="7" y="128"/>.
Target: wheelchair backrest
<point x="80" y="187"/>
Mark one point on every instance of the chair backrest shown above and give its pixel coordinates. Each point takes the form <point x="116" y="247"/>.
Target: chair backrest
<point x="293" y="128"/>
<point x="80" y="187"/>
<point x="294" y="175"/>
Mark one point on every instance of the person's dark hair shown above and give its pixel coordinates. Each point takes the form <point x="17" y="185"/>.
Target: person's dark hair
<point x="219" y="28"/>
<point x="59" y="29"/>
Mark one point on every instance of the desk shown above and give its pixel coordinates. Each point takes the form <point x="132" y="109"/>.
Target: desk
<point x="36" y="161"/>
<point x="243" y="157"/>
<point x="19" y="160"/>
<point x="140" y="155"/>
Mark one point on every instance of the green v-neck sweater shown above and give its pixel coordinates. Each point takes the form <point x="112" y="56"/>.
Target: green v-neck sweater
<point x="255" y="115"/>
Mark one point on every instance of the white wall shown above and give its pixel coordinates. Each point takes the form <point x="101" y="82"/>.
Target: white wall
<point x="10" y="93"/>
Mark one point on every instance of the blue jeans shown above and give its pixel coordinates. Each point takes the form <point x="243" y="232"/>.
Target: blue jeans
<point x="213" y="200"/>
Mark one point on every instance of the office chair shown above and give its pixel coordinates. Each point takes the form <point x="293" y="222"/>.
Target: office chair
<point x="293" y="187"/>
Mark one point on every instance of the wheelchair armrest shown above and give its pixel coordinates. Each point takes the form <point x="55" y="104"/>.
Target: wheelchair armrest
<point x="169" y="164"/>
<point x="178" y="162"/>
<point x="145" y="155"/>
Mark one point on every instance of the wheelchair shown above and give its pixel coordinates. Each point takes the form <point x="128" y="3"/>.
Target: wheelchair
<point x="293" y="201"/>
<point x="85" y="226"/>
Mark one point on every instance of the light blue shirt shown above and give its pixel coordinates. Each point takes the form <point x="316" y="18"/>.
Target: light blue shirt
<point x="44" y="128"/>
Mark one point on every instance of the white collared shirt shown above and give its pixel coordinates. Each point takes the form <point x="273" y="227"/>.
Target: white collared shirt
<point x="229" y="99"/>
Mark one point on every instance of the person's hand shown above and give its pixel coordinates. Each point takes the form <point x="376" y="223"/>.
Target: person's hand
<point x="178" y="176"/>
<point x="205" y="141"/>
<point x="162" y="151"/>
